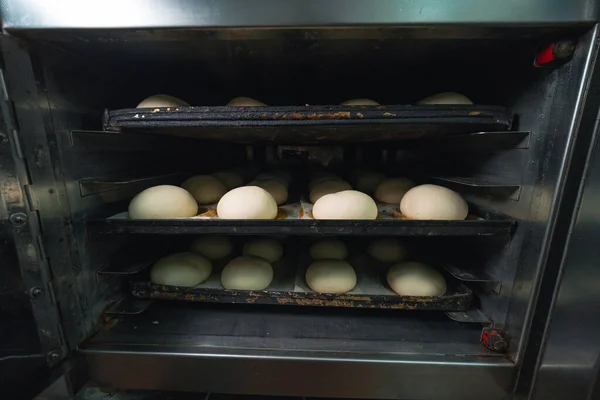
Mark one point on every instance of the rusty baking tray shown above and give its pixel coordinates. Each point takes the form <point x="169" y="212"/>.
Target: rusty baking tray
<point x="310" y="124"/>
<point x="289" y="288"/>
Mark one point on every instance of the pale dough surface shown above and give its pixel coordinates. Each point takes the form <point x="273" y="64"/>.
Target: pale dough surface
<point x="206" y="189"/>
<point x="331" y="276"/>
<point x="163" y="202"/>
<point x="433" y="202"/>
<point x="247" y="202"/>
<point x="162" y="100"/>
<point x="416" y="279"/>
<point x="349" y="204"/>
<point x="247" y="273"/>
<point x="265" y="248"/>
<point x="181" y="269"/>
<point x="328" y="248"/>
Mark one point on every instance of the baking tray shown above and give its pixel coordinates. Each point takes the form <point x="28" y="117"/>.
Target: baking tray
<point x="310" y="124"/>
<point x="295" y="219"/>
<point x="289" y="288"/>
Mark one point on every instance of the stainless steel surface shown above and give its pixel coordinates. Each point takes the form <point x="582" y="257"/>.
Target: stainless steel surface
<point x="258" y="350"/>
<point x="569" y="364"/>
<point x="50" y="14"/>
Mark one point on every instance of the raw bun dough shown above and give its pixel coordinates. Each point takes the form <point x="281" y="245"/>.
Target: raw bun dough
<point x="162" y="202"/>
<point x="245" y="102"/>
<point x="271" y="176"/>
<point x="247" y="273"/>
<point x="392" y="190"/>
<point x="181" y="269"/>
<point x="416" y="279"/>
<point x="275" y="189"/>
<point x="231" y="180"/>
<point x="328" y="249"/>
<point x="206" y="189"/>
<point x="328" y="187"/>
<point x="446" y="98"/>
<point x="265" y="248"/>
<point x="367" y="182"/>
<point x="331" y="276"/>
<point x="349" y="204"/>
<point x="212" y="247"/>
<point x="386" y="250"/>
<point x="360" y="102"/>
<point x="433" y="202"/>
<point x="247" y="202"/>
<point x="162" y="100"/>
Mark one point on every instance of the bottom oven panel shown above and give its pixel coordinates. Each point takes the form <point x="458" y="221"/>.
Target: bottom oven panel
<point x="271" y="350"/>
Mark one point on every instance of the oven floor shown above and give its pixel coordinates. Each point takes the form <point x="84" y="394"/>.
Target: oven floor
<point x="293" y="328"/>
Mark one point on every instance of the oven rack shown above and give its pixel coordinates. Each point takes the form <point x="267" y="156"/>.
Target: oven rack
<point x="310" y="124"/>
<point x="289" y="288"/>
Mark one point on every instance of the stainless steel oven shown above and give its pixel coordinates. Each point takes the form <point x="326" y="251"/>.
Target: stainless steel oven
<point x="75" y="296"/>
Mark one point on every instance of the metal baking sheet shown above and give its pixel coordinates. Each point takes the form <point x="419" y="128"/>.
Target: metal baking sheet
<point x="310" y="124"/>
<point x="289" y="288"/>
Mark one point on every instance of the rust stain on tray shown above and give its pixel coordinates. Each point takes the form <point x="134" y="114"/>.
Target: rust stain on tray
<point x="389" y="114"/>
<point x="211" y="212"/>
<point x="475" y="113"/>
<point x="281" y="214"/>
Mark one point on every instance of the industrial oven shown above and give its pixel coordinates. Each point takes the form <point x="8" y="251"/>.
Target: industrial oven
<point x="521" y="308"/>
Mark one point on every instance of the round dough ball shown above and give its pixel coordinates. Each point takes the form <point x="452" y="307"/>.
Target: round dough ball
<point x="162" y="100"/>
<point x="349" y="204"/>
<point x="275" y="189"/>
<point x="416" y="279"/>
<point x="328" y="187"/>
<point x="386" y="250"/>
<point x="265" y="248"/>
<point x="328" y="249"/>
<point x="181" y="269"/>
<point x="320" y="178"/>
<point x="433" y="202"/>
<point x="247" y="273"/>
<point x="446" y="98"/>
<point x="162" y="202"/>
<point x="212" y="247"/>
<point x="269" y="176"/>
<point x="360" y="102"/>
<point x="206" y="189"/>
<point x="392" y="190"/>
<point x="367" y="182"/>
<point x="245" y="102"/>
<point x="231" y="180"/>
<point x="247" y="202"/>
<point x="331" y="276"/>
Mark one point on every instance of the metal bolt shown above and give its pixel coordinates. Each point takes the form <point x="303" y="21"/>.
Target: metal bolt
<point x="18" y="219"/>
<point x="36" y="292"/>
<point x="53" y="357"/>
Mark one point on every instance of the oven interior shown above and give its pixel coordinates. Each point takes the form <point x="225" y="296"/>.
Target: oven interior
<point x="74" y="76"/>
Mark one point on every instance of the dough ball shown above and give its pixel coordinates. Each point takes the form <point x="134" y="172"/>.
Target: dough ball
<point x="162" y="202"/>
<point x="245" y="102"/>
<point x="416" y="279"/>
<point x="212" y="247"/>
<point x="247" y="202"/>
<point x="247" y="273"/>
<point x="181" y="269"/>
<point x="331" y="276"/>
<point x="433" y="202"/>
<point x="275" y="189"/>
<point x="269" y="176"/>
<point x="360" y="102"/>
<point x="206" y="189"/>
<point x="445" y="98"/>
<point x="283" y="174"/>
<point x="320" y="178"/>
<point x="162" y="100"/>
<point x="392" y="190"/>
<point x="328" y="187"/>
<point x="349" y="204"/>
<point x="265" y="248"/>
<point x="231" y="180"/>
<point x="328" y="249"/>
<point x="367" y="182"/>
<point x="386" y="250"/>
